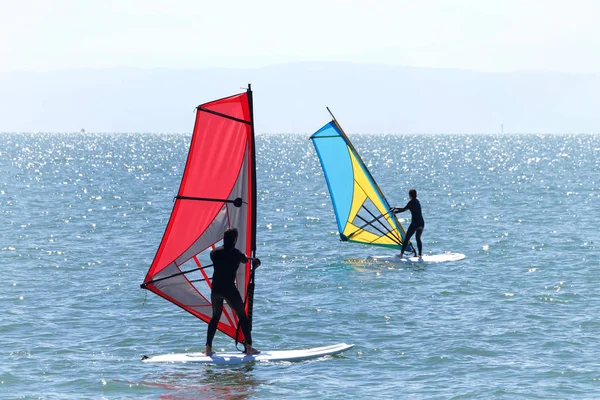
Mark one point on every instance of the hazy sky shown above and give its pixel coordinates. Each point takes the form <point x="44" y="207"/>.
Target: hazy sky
<point x="488" y="35"/>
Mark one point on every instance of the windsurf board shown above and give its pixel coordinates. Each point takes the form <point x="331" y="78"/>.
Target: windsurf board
<point x="434" y="258"/>
<point x="238" y="358"/>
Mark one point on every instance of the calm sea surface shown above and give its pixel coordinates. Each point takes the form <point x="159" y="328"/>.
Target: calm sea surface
<point x="82" y="216"/>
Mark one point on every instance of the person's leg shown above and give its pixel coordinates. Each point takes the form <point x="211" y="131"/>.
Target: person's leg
<point x="407" y="236"/>
<point x="419" y="244"/>
<point x="235" y="302"/>
<point x="217" y="310"/>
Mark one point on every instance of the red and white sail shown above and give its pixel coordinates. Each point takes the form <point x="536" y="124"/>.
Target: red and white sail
<point x="218" y="191"/>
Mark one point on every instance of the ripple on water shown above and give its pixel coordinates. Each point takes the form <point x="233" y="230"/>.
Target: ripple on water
<point x="83" y="215"/>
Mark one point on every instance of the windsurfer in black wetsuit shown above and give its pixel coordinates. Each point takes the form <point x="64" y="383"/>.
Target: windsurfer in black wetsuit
<point x="226" y="260"/>
<point x="417" y="223"/>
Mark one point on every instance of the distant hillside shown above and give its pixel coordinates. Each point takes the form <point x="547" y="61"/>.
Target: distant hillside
<point x="292" y="98"/>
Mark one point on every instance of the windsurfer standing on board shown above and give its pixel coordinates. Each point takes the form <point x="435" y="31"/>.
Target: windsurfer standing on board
<point x="417" y="223"/>
<point x="226" y="260"/>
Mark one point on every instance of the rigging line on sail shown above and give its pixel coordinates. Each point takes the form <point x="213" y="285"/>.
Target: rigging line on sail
<point x="373" y="226"/>
<point x="386" y="234"/>
<point x="224" y="115"/>
<point x="143" y="285"/>
<point x="376" y="219"/>
<point x="390" y="234"/>
<point x="392" y="237"/>
<point x="378" y="191"/>
<point x="199" y="280"/>
<point x="395" y="239"/>
<point x="236" y="202"/>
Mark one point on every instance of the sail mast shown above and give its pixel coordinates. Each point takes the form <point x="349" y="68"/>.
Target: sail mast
<point x="250" y="290"/>
<point x="251" y="107"/>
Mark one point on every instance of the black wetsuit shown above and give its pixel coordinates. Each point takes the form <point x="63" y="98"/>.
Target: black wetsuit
<point x="226" y="262"/>
<point x="417" y="224"/>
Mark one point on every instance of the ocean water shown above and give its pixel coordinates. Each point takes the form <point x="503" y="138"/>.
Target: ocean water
<point x="519" y="318"/>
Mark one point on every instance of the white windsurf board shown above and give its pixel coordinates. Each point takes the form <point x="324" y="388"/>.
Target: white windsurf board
<point x="238" y="358"/>
<point x="434" y="258"/>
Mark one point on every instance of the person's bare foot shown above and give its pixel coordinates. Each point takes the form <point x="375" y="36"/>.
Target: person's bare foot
<point x="209" y="351"/>
<point x="401" y="255"/>
<point x="251" y="351"/>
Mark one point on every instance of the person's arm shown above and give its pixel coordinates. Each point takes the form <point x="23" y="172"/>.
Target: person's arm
<point x="397" y="210"/>
<point x="244" y="259"/>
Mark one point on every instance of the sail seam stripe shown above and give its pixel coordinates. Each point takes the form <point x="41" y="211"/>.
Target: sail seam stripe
<point x="393" y="237"/>
<point x="373" y="215"/>
<point x="375" y="219"/>
<point x="374" y="227"/>
<point x="243" y="121"/>
<point x="174" y="275"/>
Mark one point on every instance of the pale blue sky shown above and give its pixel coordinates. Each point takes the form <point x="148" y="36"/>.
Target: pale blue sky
<point x="507" y="35"/>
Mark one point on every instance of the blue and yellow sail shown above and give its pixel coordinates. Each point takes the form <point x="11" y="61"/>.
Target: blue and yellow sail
<point x="362" y="212"/>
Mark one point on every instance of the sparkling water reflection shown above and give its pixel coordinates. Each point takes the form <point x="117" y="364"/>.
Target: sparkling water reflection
<point x="83" y="215"/>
